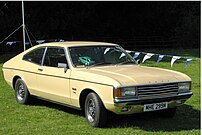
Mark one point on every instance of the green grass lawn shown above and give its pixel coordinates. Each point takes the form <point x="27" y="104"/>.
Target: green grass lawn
<point x="44" y="118"/>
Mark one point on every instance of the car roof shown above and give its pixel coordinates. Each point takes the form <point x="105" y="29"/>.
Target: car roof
<point x="76" y="43"/>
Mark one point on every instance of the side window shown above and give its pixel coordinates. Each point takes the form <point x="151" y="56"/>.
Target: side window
<point x="54" y="55"/>
<point x="35" y="56"/>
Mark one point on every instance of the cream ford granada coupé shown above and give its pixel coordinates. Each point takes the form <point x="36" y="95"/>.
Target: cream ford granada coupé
<point x="95" y="77"/>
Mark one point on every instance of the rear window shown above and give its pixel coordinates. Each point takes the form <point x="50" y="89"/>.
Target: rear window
<point x="35" y="56"/>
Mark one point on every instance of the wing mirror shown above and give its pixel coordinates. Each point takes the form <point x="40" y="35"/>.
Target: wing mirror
<point x="63" y="65"/>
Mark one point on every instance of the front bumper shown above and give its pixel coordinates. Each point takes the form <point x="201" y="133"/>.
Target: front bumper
<point x="135" y="105"/>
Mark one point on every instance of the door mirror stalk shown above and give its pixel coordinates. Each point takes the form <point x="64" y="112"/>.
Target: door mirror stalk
<point x="63" y="65"/>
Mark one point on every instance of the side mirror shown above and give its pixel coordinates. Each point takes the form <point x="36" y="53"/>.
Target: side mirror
<point x="63" y="65"/>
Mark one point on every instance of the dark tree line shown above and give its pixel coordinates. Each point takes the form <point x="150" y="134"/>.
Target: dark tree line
<point x="108" y="21"/>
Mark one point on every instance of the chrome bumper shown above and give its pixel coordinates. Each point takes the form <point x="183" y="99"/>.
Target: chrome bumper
<point x="136" y="105"/>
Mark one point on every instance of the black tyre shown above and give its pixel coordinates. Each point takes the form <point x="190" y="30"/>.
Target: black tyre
<point x="21" y="92"/>
<point x="168" y="113"/>
<point x="95" y="112"/>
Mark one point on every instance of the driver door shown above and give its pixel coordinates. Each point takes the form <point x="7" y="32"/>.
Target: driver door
<point x="52" y="80"/>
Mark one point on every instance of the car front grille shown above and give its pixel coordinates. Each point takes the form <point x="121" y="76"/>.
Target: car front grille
<point x="157" y="90"/>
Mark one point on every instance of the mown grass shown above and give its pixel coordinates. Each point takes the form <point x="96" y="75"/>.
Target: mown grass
<point x="44" y="118"/>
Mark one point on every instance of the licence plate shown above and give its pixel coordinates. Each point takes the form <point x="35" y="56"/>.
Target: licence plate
<point x="155" y="106"/>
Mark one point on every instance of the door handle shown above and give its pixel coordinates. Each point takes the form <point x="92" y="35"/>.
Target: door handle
<point x="40" y="69"/>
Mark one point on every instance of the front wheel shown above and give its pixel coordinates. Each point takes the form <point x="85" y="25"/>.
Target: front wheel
<point x="95" y="112"/>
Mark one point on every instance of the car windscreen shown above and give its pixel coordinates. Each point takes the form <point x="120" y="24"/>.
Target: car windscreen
<point x="83" y="56"/>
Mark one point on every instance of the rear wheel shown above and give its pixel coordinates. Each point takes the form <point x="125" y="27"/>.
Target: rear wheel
<point x="95" y="112"/>
<point x="21" y="92"/>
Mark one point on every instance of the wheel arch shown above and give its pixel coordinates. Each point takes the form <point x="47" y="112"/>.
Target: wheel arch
<point x="83" y="96"/>
<point x="15" y="78"/>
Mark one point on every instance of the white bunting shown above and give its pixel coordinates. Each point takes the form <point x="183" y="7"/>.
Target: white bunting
<point x="122" y="55"/>
<point x="10" y="43"/>
<point x="128" y="51"/>
<point x="136" y="55"/>
<point x="147" y="56"/>
<point x="160" y="58"/>
<point x="61" y="40"/>
<point x="106" y="50"/>
<point x="187" y="62"/>
<point x="40" y="41"/>
<point x="174" y="58"/>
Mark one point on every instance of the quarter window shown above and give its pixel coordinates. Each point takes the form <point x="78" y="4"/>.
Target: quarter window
<point x="54" y="56"/>
<point x="35" y="56"/>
